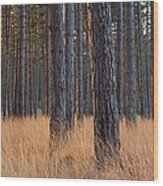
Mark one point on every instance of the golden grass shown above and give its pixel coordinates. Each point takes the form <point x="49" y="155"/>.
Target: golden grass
<point x="25" y="151"/>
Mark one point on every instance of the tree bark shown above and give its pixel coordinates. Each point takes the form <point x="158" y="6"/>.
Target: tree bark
<point x="80" y="61"/>
<point x="69" y="105"/>
<point x="120" y="62"/>
<point x="22" y="61"/>
<point x="131" y="115"/>
<point x="58" y="70"/>
<point x="106" y="127"/>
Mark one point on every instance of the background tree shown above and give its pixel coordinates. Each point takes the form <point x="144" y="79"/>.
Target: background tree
<point x="120" y="63"/>
<point x="70" y="67"/>
<point x="22" y="61"/>
<point x="80" y="60"/>
<point x="130" y="63"/>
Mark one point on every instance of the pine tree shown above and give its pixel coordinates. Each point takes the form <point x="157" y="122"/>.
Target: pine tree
<point x="106" y="111"/>
<point x="58" y="69"/>
<point x="130" y="64"/>
<point x="120" y="62"/>
<point x="69" y="57"/>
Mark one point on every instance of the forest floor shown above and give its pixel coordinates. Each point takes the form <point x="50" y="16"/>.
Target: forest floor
<point x="25" y="151"/>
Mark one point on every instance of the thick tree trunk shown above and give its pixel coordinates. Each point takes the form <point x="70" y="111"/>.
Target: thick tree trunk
<point x="106" y="111"/>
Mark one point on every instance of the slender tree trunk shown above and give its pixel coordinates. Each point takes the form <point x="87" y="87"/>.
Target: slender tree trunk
<point x="22" y="61"/>
<point x="131" y="67"/>
<point x="8" y="60"/>
<point x="3" y="59"/>
<point x="80" y="61"/>
<point x="142" y="59"/>
<point x="58" y="70"/>
<point x="152" y="59"/>
<point x="148" y="61"/>
<point x="120" y="63"/>
<point x="36" y="65"/>
<point x="16" y="79"/>
<point x="88" y="104"/>
<point x="47" y="90"/>
<point x="70" y="76"/>
<point x="30" y="62"/>
<point x="90" y="43"/>
<point x="42" y="79"/>
<point x="26" y="66"/>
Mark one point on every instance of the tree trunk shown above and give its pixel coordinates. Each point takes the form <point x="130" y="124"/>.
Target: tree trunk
<point x="131" y="66"/>
<point x="30" y="62"/>
<point x="26" y="67"/>
<point x="142" y="60"/>
<point x="120" y="63"/>
<point x="106" y="111"/>
<point x="80" y="60"/>
<point x="22" y="61"/>
<point x="152" y="59"/>
<point x="58" y="70"/>
<point x="3" y="60"/>
<point x="70" y="76"/>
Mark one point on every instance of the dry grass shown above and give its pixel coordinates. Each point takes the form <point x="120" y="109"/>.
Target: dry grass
<point x="25" y="152"/>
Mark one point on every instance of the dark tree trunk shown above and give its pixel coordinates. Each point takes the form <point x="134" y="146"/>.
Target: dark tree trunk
<point x="36" y="84"/>
<point x="131" y="115"/>
<point x="87" y="71"/>
<point x="80" y="60"/>
<point x="47" y="64"/>
<point x="3" y="61"/>
<point x="142" y="60"/>
<point x="106" y="111"/>
<point x="69" y="106"/>
<point x="30" y="62"/>
<point x="22" y="61"/>
<point x="120" y="63"/>
<point x="58" y="70"/>
<point x="152" y="59"/>
<point x="148" y="60"/>
<point x="26" y="66"/>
